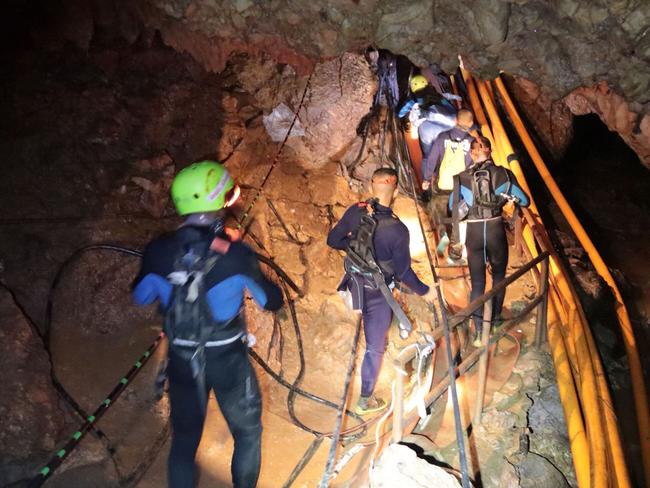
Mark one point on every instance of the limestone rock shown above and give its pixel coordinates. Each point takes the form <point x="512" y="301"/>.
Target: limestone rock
<point x="539" y="472"/>
<point x="400" y="466"/>
<point x="340" y="94"/>
<point x="30" y="418"/>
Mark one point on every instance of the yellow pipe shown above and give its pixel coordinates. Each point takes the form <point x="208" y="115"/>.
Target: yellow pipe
<point x="568" y="394"/>
<point x="638" y="385"/>
<point x="475" y="102"/>
<point x="590" y="403"/>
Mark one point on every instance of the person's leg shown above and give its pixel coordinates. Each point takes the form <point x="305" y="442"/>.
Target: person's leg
<point x="238" y="395"/>
<point x="474" y="243"/>
<point x="439" y="207"/>
<point x="377" y="317"/>
<point x="187" y="415"/>
<point x="497" y="251"/>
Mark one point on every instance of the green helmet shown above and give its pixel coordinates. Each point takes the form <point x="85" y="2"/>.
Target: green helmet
<point x="205" y="186"/>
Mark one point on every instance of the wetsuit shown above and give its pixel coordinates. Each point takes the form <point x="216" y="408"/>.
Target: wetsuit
<point x="227" y="369"/>
<point x="391" y="247"/>
<point x="486" y="240"/>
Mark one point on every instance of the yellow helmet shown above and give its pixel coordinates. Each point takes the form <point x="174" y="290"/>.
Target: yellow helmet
<point x="417" y="83"/>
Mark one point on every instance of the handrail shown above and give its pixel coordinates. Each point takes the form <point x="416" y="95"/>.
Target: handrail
<point x="408" y="353"/>
<point x="638" y="384"/>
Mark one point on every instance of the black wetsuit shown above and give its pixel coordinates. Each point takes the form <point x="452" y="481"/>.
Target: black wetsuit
<point x="486" y="240"/>
<point x="227" y="370"/>
<point x="391" y="246"/>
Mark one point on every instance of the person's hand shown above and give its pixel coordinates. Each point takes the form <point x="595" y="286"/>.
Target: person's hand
<point x="426" y="184"/>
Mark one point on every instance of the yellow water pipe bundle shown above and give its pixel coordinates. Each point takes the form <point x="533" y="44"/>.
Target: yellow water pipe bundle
<point x="591" y="422"/>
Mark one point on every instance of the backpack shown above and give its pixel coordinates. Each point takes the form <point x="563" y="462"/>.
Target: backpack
<point x="360" y="253"/>
<point x="486" y="203"/>
<point x="453" y="162"/>
<point x="188" y="315"/>
<point x="360" y="259"/>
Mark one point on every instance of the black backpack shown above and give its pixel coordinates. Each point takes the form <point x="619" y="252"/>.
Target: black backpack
<point x="188" y="314"/>
<point x="360" y="253"/>
<point x="486" y="202"/>
<point x="360" y="259"/>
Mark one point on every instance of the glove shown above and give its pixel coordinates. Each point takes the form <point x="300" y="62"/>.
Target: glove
<point x="415" y="117"/>
<point x="455" y="251"/>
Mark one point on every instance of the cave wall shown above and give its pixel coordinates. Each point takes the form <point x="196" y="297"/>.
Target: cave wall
<point x="600" y="48"/>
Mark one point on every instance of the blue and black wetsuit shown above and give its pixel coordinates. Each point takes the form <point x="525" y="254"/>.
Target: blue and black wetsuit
<point x="227" y="371"/>
<point x="391" y="247"/>
<point x="486" y="240"/>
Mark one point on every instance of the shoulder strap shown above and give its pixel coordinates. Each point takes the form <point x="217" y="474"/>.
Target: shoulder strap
<point x="454" y="210"/>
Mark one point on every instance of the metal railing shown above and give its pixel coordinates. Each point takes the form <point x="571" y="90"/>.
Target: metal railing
<point x="406" y="420"/>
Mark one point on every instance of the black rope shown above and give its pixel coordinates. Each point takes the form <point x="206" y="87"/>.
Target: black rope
<point x="277" y="157"/>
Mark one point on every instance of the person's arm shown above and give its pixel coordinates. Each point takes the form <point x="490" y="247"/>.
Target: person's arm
<point x="406" y="108"/>
<point x="430" y="165"/>
<point x="513" y="189"/>
<point x="265" y="293"/>
<point x="150" y="284"/>
<point x="339" y="236"/>
<point x="401" y="262"/>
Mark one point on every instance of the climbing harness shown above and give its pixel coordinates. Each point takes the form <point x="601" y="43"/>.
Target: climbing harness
<point x="362" y="266"/>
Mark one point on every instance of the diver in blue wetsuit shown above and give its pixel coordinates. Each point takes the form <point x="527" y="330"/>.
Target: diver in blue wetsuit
<point x="478" y="197"/>
<point x="198" y="275"/>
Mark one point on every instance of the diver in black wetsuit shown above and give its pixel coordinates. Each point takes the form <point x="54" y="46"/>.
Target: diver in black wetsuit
<point x="199" y="192"/>
<point x="484" y="188"/>
<point x="391" y="250"/>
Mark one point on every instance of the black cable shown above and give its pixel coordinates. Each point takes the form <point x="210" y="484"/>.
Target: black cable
<point x="324" y="483"/>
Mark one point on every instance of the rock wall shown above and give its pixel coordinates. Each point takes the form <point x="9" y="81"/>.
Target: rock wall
<point x="552" y="116"/>
<point x="599" y="47"/>
<point x="30" y="417"/>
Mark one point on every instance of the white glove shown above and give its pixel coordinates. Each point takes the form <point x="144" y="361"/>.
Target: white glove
<point x="415" y="117"/>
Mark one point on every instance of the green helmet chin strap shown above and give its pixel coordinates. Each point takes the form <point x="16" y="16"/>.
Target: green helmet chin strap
<point x="201" y="187"/>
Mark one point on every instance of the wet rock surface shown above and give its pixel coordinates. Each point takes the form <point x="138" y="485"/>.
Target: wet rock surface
<point x="31" y="418"/>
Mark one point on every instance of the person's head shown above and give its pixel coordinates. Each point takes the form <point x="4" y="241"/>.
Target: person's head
<point x="464" y="119"/>
<point x="384" y="185"/>
<point x="480" y="149"/>
<point x="205" y="187"/>
<point x="418" y="83"/>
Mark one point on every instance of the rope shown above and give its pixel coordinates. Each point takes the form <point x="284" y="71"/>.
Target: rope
<point x="276" y="159"/>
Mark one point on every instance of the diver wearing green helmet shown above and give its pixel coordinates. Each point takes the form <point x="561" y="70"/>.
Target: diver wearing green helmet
<point x="199" y="275"/>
